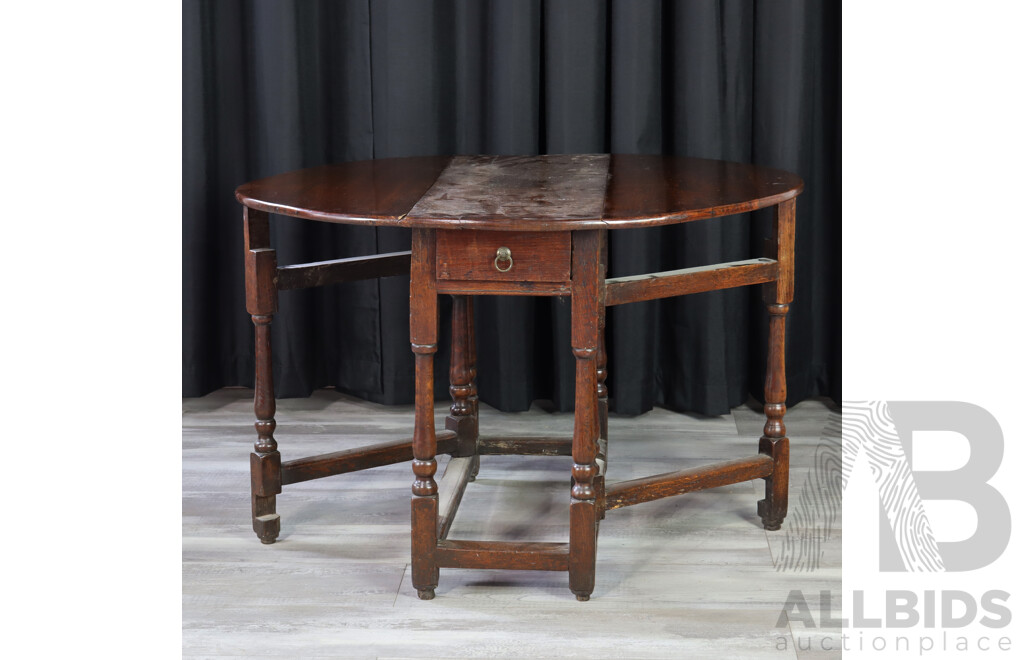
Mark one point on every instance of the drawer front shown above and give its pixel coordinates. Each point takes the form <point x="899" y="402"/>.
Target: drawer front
<point x="521" y="257"/>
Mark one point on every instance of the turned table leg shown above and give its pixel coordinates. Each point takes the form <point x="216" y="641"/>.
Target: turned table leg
<point x="423" y="334"/>
<point x="464" y="419"/>
<point x="602" y="391"/>
<point x="261" y="303"/>
<point x="774" y="442"/>
<point x="586" y="274"/>
<point x="602" y="422"/>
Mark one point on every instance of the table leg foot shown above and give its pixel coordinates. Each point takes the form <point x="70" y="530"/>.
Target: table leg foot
<point x="583" y="546"/>
<point x="773" y="508"/>
<point x="771" y="521"/>
<point x="425" y="594"/>
<point x="267" y="528"/>
<point x="265" y="469"/>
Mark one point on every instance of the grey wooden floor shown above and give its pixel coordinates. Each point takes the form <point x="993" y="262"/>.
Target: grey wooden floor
<point x="686" y="577"/>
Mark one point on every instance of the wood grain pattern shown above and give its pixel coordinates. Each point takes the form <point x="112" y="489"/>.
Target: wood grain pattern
<point x="666" y="284"/>
<point x="337" y="271"/>
<point x="261" y="303"/>
<point x="363" y="192"/>
<point x="255" y="229"/>
<point x="781" y="247"/>
<point x="504" y="555"/>
<point x="648" y="489"/>
<point x="523" y="193"/>
<point x="260" y="291"/>
<point x="546" y="217"/>
<point x="423" y="319"/>
<point x="587" y="285"/>
<point x="360" y="458"/>
<point x="774" y="442"/>
<point x="526" y="446"/>
<point x="510" y="288"/>
<point x="463" y="417"/>
<point x="601" y="458"/>
<point x="457" y="474"/>
<point x="522" y="189"/>
<point x="648" y="190"/>
<point x="535" y="257"/>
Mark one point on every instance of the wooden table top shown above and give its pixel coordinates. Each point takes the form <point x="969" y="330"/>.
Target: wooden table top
<point x="522" y="193"/>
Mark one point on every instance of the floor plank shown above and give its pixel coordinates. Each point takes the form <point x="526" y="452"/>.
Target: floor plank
<point x="692" y="576"/>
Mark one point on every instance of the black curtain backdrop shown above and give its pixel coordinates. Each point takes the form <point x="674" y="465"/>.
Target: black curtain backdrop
<point x="272" y="86"/>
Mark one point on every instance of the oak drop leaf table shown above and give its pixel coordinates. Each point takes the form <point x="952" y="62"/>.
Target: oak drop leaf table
<point x="517" y="225"/>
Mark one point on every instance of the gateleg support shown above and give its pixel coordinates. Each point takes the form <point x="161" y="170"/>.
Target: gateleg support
<point x="583" y="510"/>
<point x="423" y="334"/>
<point x="778" y="295"/>
<point x="261" y="303"/>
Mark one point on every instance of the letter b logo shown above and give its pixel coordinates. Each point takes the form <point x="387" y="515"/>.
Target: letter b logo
<point x="883" y="431"/>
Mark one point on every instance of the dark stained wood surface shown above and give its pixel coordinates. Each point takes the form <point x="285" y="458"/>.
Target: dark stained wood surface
<point x="261" y="303"/>
<point x="774" y="443"/>
<point x="587" y="274"/>
<point x="535" y="257"/>
<point x="506" y="555"/>
<point x="423" y="336"/>
<point x="467" y="213"/>
<point x="457" y="474"/>
<point x="464" y="419"/>
<point x="657" y="190"/>
<point x="648" y="489"/>
<point x="526" y="446"/>
<point x="363" y="192"/>
<point x="651" y="286"/>
<point x="336" y="271"/>
<point x="490" y="287"/>
<point x="522" y="193"/>
<point x="353" y="460"/>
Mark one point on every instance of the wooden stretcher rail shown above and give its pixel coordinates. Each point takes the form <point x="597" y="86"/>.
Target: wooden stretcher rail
<point x="509" y="288"/>
<point x="503" y="554"/>
<point x="450" y="490"/>
<point x="360" y="458"/>
<point x="636" y="288"/>
<point x="635" y="491"/>
<point x="525" y="446"/>
<point x="304" y="276"/>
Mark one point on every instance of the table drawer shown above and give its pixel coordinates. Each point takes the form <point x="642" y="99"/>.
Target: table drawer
<point x="503" y="256"/>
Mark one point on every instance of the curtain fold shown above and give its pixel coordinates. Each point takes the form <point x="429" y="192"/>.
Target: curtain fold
<point x="274" y="86"/>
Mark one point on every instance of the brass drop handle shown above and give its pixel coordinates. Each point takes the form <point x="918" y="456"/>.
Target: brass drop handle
<point x="504" y="254"/>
